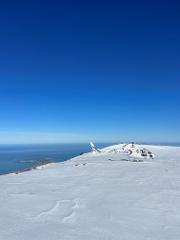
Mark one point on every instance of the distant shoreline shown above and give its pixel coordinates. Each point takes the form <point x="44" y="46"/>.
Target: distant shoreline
<point x="37" y="163"/>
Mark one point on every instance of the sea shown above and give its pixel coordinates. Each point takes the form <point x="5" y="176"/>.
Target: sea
<point x="23" y="157"/>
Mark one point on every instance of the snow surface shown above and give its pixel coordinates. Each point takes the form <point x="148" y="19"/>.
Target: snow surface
<point x="92" y="198"/>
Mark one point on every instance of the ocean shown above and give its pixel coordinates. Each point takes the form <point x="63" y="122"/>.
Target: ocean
<point x="22" y="157"/>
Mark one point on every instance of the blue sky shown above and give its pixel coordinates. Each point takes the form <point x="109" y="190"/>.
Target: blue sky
<point x="75" y="71"/>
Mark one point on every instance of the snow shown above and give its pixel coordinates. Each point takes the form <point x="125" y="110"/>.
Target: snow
<point x="92" y="198"/>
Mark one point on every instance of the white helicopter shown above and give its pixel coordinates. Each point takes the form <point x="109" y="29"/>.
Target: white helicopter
<point x="130" y="150"/>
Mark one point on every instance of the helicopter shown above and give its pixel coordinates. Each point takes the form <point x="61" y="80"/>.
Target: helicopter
<point x="132" y="151"/>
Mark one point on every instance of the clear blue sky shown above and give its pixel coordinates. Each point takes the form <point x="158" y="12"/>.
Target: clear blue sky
<point x="74" y="71"/>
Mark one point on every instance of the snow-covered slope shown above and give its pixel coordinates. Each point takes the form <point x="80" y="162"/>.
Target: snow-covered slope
<point x="93" y="198"/>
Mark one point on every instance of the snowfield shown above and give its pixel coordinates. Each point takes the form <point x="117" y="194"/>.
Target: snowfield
<point x="94" y="197"/>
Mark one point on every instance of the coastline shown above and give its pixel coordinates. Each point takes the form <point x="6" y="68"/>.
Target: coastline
<point x="22" y="157"/>
<point x="36" y="165"/>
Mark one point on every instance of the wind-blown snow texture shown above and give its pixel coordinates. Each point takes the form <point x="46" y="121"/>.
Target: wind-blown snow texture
<point x="92" y="198"/>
